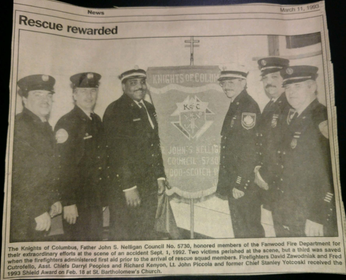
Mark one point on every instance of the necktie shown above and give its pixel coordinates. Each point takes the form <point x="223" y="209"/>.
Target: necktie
<point x="93" y="116"/>
<point x="48" y="132"/>
<point x="145" y="114"/>
<point x="267" y="108"/>
<point x="293" y="116"/>
<point x="94" y="125"/>
<point x="47" y="127"/>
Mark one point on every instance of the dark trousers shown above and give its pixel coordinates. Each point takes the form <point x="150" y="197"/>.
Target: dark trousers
<point x="133" y="223"/>
<point x="246" y="215"/>
<point x="88" y="227"/>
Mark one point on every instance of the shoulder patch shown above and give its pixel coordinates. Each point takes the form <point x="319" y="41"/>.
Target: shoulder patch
<point x="248" y="120"/>
<point x="61" y="136"/>
<point x="323" y="126"/>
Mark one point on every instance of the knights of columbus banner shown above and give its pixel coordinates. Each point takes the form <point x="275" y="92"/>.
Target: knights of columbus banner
<point x="191" y="107"/>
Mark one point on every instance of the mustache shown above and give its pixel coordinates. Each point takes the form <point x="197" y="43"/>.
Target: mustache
<point x="269" y="85"/>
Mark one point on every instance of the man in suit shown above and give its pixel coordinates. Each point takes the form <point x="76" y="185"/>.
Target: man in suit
<point x="79" y="135"/>
<point x="270" y="127"/>
<point x="35" y="197"/>
<point x="135" y="162"/>
<point x="237" y="162"/>
<point x="305" y="205"/>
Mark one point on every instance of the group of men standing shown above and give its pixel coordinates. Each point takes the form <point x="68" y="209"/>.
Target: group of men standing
<point x="278" y="160"/>
<point x="86" y="165"/>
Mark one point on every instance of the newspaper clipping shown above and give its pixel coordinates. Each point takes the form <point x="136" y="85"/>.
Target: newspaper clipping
<point x="171" y="141"/>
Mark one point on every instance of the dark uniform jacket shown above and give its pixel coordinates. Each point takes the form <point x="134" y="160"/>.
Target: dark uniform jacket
<point x="270" y="136"/>
<point x="81" y="158"/>
<point x="305" y="189"/>
<point x="34" y="178"/>
<point x="133" y="146"/>
<point x="238" y="145"/>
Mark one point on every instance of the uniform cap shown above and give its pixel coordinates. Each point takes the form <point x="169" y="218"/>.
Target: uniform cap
<point x="36" y="82"/>
<point x="136" y="72"/>
<point x="85" y="80"/>
<point x="272" y="64"/>
<point x="233" y="71"/>
<point x="296" y="74"/>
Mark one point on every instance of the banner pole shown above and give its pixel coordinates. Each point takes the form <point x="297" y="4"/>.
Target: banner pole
<point x="192" y="215"/>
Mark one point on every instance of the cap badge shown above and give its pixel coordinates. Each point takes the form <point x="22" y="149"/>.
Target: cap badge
<point x="90" y="76"/>
<point x="45" y="78"/>
<point x="136" y="67"/>
<point x="289" y="71"/>
<point x="264" y="62"/>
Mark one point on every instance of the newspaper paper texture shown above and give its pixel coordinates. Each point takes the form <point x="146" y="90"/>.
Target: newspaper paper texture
<point x="171" y="141"/>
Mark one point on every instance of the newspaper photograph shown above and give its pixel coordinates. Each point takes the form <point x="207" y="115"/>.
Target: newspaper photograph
<point x="171" y="141"/>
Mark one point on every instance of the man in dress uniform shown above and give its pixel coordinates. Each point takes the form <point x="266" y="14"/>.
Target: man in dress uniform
<point x="34" y="190"/>
<point x="79" y="135"/>
<point x="305" y="205"/>
<point x="237" y="162"/>
<point x="269" y="132"/>
<point x="135" y="161"/>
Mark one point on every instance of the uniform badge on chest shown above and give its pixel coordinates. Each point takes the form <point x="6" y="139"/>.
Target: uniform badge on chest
<point x="248" y="120"/>
<point x="275" y="120"/>
<point x="233" y="120"/>
<point x="294" y="141"/>
<point x="87" y="136"/>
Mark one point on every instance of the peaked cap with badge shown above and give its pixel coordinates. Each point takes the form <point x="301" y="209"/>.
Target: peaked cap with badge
<point x="232" y="71"/>
<point x="35" y="82"/>
<point x="272" y="64"/>
<point x="299" y="73"/>
<point x="85" y="80"/>
<point x="133" y="73"/>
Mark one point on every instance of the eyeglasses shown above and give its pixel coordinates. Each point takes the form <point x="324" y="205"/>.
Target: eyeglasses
<point x="229" y="82"/>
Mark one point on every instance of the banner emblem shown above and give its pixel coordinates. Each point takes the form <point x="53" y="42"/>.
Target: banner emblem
<point x="192" y="114"/>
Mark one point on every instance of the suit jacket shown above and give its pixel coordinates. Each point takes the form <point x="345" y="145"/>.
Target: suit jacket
<point x="305" y="187"/>
<point x="34" y="178"/>
<point x="133" y="146"/>
<point x="81" y="158"/>
<point x="238" y="145"/>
